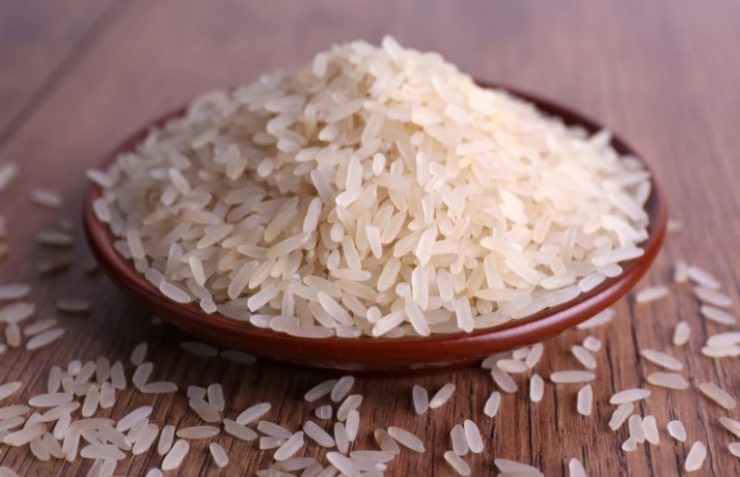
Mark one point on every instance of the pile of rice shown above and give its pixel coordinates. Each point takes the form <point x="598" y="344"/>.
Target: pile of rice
<point x="378" y="192"/>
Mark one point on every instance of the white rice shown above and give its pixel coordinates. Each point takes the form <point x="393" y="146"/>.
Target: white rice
<point x="634" y="425"/>
<point x="731" y="425"/>
<point x="629" y="395"/>
<point x="408" y="439"/>
<point x="514" y="467"/>
<point x="584" y="400"/>
<point x="46" y="198"/>
<point x="50" y="399"/>
<point x="712" y="297"/>
<point x="388" y="218"/>
<point x="662" y="359"/>
<point x="716" y="315"/>
<point x="166" y="439"/>
<point x="341" y="439"/>
<point x="253" y="413"/>
<point x="457" y="464"/>
<point x="218" y="454"/>
<point x="536" y="388"/>
<point x="695" y="457"/>
<point x="650" y="430"/>
<point x="503" y="381"/>
<point x="159" y="387"/>
<point x="15" y="291"/>
<point x="176" y="455"/>
<point x="492" y="404"/>
<point x="134" y="417"/>
<point x="442" y="396"/>
<point x="668" y="380"/>
<point x="317" y="434"/>
<point x="215" y="395"/>
<point x="351" y="403"/>
<point x="676" y="430"/>
<point x="620" y="415"/>
<point x="681" y="333"/>
<point x="237" y="430"/>
<point x="8" y="389"/>
<point x="597" y="320"/>
<point x="324" y="412"/>
<point x="385" y="441"/>
<point x="340" y="389"/>
<point x="290" y="447"/>
<point x="592" y="344"/>
<point x="197" y="432"/>
<point x="573" y="376"/>
<point x="459" y="440"/>
<point x="204" y="410"/>
<point x="734" y="448"/>
<point x="534" y="355"/>
<point x="702" y="277"/>
<point x="718" y="395"/>
<point x="649" y="294"/>
<point x="473" y="436"/>
<point x="420" y="399"/>
<point x="583" y="356"/>
<point x="629" y="445"/>
<point x="575" y="468"/>
<point x="273" y="430"/>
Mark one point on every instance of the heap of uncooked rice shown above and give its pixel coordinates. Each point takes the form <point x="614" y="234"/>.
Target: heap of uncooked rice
<point x="378" y="192"/>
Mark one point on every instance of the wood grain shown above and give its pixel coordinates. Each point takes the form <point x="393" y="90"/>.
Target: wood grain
<point x="663" y="74"/>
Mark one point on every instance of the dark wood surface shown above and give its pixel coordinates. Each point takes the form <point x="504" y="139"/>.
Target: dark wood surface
<point x="76" y="79"/>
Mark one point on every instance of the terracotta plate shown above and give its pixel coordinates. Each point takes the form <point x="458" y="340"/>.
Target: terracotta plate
<point x="377" y="355"/>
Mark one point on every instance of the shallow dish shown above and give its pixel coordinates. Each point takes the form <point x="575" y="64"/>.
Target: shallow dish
<point x="393" y="355"/>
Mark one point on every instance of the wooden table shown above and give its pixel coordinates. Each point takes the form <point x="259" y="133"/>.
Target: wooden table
<point x="78" y="76"/>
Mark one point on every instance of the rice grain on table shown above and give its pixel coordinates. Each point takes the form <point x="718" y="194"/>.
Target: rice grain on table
<point x="343" y="464"/>
<point x="534" y="355"/>
<point x="629" y="445"/>
<point x="491" y="407"/>
<point x="514" y="467"/>
<point x="341" y="439"/>
<point x="10" y="388"/>
<point x="176" y="455"/>
<point x="408" y="439"/>
<point x="583" y="356"/>
<point x="650" y="430"/>
<point x="340" y="388"/>
<point x="46" y="198"/>
<point x="220" y="458"/>
<point x="459" y="440"/>
<point x="584" y="400"/>
<point x="273" y="430"/>
<point x="575" y="468"/>
<point x="571" y="376"/>
<point x="44" y="338"/>
<point x="662" y="359"/>
<point x="731" y="425"/>
<point x="504" y="382"/>
<point x="718" y="395"/>
<point x="199" y="349"/>
<point x="620" y="415"/>
<point x="695" y="457"/>
<point x="702" y="277"/>
<point x="473" y="436"/>
<point x="385" y="441"/>
<point x="457" y="464"/>
<point x="649" y="294"/>
<point x="15" y="291"/>
<point x="636" y="430"/>
<point x="215" y="395"/>
<point x="597" y="320"/>
<point x="197" y="432"/>
<point x="318" y="434"/>
<point x="668" y="380"/>
<point x="442" y="396"/>
<point x="681" y="333"/>
<point x="290" y="447"/>
<point x="536" y="388"/>
<point x="716" y="315"/>
<point x="592" y="344"/>
<point x="629" y="395"/>
<point x="676" y="430"/>
<point x="134" y="417"/>
<point x="420" y="399"/>
<point x="239" y="431"/>
<point x="712" y="297"/>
